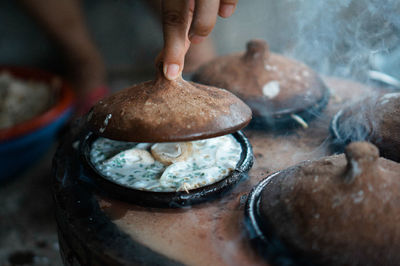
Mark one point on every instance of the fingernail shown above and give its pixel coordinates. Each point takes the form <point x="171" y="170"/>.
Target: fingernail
<point x="196" y="39"/>
<point x="226" y="11"/>
<point x="171" y="71"/>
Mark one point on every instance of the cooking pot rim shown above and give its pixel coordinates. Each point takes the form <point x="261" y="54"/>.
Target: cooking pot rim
<point x="164" y="199"/>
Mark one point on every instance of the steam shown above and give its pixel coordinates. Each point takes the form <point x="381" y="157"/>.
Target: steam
<point x="345" y="37"/>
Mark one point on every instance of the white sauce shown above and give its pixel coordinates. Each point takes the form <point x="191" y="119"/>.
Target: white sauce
<point x="132" y="164"/>
<point x="271" y="89"/>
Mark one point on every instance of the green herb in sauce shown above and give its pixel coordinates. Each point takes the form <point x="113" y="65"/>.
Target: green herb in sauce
<point x="132" y="165"/>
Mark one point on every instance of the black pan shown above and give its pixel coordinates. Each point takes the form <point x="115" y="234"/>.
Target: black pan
<point x="164" y="199"/>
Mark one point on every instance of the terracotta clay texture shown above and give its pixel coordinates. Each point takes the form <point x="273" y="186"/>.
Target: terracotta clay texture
<point x="340" y="210"/>
<point x="163" y="111"/>
<point x="271" y="84"/>
<point x="375" y="119"/>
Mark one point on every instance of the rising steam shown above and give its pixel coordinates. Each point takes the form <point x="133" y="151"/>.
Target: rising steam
<point x="343" y="37"/>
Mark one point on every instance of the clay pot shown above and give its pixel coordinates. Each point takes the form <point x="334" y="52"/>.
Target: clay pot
<point x="339" y="210"/>
<point x="274" y="86"/>
<point x="375" y="119"/>
<point x="165" y="199"/>
<point x="168" y="111"/>
<point x="89" y="224"/>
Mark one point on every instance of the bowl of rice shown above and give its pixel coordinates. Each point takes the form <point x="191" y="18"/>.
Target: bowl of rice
<point x="34" y="106"/>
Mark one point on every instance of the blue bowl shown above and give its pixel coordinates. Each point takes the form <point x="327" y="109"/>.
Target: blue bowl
<point x="24" y="144"/>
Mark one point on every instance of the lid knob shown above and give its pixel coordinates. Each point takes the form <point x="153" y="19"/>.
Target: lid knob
<point x="360" y="157"/>
<point x="257" y="51"/>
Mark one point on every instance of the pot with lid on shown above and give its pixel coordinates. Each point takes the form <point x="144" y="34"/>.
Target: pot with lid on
<point x="167" y="143"/>
<point x="375" y="119"/>
<point x="339" y="210"/>
<point x="280" y="91"/>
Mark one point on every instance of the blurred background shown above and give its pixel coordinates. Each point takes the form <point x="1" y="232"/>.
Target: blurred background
<point x="334" y="37"/>
<point x="346" y="38"/>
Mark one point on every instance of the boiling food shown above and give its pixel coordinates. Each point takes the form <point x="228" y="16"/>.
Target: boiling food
<point x="166" y="167"/>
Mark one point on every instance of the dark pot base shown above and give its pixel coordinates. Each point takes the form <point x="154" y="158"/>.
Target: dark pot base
<point x="338" y="142"/>
<point x="262" y="234"/>
<point x="285" y="121"/>
<point x="87" y="235"/>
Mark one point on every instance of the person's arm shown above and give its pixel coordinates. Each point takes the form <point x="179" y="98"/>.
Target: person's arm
<point x="186" y="21"/>
<point x="64" y="22"/>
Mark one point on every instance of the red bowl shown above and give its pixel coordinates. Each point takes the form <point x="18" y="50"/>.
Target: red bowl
<point x="64" y="99"/>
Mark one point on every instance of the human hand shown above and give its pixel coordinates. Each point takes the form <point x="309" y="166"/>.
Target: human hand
<point x="185" y="22"/>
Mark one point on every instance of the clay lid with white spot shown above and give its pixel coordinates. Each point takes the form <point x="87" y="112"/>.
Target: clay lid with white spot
<point x="339" y="210"/>
<point x="272" y="85"/>
<point x="166" y="111"/>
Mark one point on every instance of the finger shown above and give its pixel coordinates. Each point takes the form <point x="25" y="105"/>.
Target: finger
<point x="205" y="17"/>
<point x="227" y="7"/>
<point x="176" y="16"/>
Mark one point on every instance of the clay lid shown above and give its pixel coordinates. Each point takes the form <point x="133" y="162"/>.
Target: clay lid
<point x="375" y="119"/>
<point x="271" y="84"/>
<point x="164" y="111"/>
<point x="340" y="210"/>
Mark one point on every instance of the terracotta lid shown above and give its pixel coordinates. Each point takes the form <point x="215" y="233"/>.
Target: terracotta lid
<point x="163" y="111"/>
<point x="375" y="119"/>
<point x="340" y="210"/>
<point x="271" y="84"/>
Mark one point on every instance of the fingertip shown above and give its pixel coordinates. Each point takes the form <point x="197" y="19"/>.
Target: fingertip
<point x="226" y="10"/>
<point x="171" y="71"/>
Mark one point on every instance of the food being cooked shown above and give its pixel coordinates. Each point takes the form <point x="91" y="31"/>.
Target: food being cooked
<point x="169" y="153"/>
<point x="21" y="100"/>
<point x="166" y="167"/>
